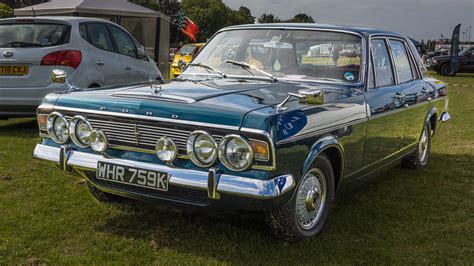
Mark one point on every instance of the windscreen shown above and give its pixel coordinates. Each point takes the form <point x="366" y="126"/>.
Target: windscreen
<point x="286" y="54"/>
<point x="33" y="35"/>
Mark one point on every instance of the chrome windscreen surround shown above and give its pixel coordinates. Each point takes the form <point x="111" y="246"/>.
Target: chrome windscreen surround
<point x="73" y="130"/>
<point x="51" y="120"/>
<point x="222" y="152"/>
<point x="190" y="147"/>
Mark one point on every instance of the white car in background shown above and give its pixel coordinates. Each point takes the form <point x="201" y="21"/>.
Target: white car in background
<point x="94" y="53"/>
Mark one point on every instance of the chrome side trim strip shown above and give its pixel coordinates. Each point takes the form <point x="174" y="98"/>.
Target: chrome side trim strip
<point x="225" y="184"/>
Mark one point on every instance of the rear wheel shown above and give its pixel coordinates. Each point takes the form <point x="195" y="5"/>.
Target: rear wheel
<point x="101" y="195"/>
<point x="446" y="70"/>
<point x="306" y="213"/>
<point x="420" y="158"/>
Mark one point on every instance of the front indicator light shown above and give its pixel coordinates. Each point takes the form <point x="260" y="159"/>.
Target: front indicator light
<point x="261" y="150"/>
<point x="98" y="141"/>
<point x="236" y="153"/>
<point x="57" y="127"/>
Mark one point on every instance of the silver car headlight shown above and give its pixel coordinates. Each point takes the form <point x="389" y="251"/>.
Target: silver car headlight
<point x="166" y="150"/>
<point x="98" y="141"/>
<point x="201" y="148"/>
<point x="79" y="131"/>
<point x="236" y="153"/>
<point x="57" y="127"/>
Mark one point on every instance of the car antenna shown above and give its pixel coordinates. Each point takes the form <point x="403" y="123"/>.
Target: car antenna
<point x="34" y="13"/>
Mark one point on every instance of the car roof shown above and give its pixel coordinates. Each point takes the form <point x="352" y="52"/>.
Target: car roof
<point x="316" y="26"/>
<point x="69" y="19"/>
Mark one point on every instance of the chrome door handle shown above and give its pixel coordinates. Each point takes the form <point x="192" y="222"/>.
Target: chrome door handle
<point x="99" y="63"/>
<point x="128" y="68"/>
<point x="399" y="96"/>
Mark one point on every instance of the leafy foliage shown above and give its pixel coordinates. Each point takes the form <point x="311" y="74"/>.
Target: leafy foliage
<point x="22" y="3"/>
<point x="5" y="11"/>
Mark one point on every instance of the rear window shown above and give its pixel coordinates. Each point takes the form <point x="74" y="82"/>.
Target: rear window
<point x="33" y="35"/>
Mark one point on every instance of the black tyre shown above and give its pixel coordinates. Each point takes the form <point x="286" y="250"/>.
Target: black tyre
<point x="420" y="158"/>
<point x="102" y="196"/>
<point x="306" y="213"/>
<point x="446" y="70"/>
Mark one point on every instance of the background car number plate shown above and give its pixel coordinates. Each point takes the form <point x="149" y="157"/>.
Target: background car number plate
<point x="132" y="176"/>
<point x="14" y="70"/>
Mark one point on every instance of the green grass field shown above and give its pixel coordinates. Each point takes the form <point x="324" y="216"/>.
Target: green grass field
<point x="402" y="216"/>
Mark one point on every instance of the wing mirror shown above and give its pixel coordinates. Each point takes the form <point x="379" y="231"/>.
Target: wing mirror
<point x="304" y="96"/>
<point x="60" y="76"/>
<point x="141" y="53"/>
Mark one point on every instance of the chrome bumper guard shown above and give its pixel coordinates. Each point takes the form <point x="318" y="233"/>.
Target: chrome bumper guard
<point x="211" y="181"/>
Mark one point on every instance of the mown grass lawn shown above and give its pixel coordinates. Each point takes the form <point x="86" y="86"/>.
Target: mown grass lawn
<point x="402" y="217"/>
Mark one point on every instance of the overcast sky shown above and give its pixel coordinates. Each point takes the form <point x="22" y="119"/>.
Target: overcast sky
<point x="421" y="19"/>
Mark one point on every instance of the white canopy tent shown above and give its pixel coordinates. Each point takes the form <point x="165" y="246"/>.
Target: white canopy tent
<point x="149" y="27"/>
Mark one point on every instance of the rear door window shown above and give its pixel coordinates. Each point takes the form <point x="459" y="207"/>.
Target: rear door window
<point x="99" y="36"/>
<point x="22" y="35"/>
<point x="402" y="63"/>
<point x="382" y="64"/>
<point x="123" y="42"/>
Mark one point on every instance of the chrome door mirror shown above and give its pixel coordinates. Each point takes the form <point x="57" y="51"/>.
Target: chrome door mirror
<point x="141" y="53"/>
<point x="305" y="96"/>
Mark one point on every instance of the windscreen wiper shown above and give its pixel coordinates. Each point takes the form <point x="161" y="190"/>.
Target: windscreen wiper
<point x="22" y="44"/>
<point x="248" y="66"/>
<point x="208" y="67"/>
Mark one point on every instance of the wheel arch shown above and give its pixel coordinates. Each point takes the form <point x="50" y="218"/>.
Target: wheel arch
<point x="331" y="148"/>
<point x="432" y="119"/>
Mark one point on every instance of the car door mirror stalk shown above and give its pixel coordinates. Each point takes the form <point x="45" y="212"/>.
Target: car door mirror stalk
<point x="304" y="96"/>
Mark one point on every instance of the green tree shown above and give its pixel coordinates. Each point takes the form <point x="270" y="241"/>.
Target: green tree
<point x="268" y="18"/>
<point x="301" y="18"/>
<point x="5" y="11"/>
<point x="22" y="3"/>
<point x="244" y="16"/>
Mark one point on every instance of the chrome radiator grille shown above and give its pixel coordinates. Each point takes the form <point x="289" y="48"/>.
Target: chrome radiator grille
<point x="125" y="134"/>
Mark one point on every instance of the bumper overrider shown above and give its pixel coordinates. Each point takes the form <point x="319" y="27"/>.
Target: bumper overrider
<point x="215" y="188"/>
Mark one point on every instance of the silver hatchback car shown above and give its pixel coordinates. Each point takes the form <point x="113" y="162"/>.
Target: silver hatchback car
<point x="94" y="53"/>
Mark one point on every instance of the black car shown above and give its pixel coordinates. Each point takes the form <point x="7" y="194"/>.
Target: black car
<point x="442" y="64"/>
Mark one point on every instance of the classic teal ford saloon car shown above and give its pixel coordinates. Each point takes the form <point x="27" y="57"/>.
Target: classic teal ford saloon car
<point x="275" y="117"/>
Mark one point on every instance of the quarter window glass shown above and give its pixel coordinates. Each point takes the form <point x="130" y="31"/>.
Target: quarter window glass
<point x="124" y="44"/>
<point x="382" y="64"/>
<point x="402" y="63"/>
<point x="99" y="37"/>
<point x="83" y="31"/>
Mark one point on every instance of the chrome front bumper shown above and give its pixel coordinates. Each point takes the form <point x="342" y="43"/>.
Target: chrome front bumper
<point x="212" y="181"/>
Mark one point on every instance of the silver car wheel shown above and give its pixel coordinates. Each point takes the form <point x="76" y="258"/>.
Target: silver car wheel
<point x="423" y="145"/>
<point x="311" y="199"/>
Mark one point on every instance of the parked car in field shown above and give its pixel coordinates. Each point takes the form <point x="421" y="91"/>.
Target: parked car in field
<point x="283" y="137"/>
<point x="442" y="64"/>
<point x="94" y="53"/>
<point x="183" y="57"/>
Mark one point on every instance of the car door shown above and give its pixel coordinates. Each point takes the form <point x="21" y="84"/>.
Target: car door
<point x="134" y="69"/>
<point x="417" y="93"/>
<point x="385" y="104"/>
<point x="102" y="53"/>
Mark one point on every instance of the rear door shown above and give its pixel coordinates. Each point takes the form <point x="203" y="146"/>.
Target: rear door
<point x="417" y="93"/>
<point x="23" y="44"/>
<point x="386" y="108"/>
<point x="102" y="53"/>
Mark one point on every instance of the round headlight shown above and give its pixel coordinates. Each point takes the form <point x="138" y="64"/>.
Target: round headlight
<point x="236" y="153"/>
<point x="201" y="148"/>
<point x="166" y="150"/>
<point x="57" y="127"/>
<point x="98" y="141"/>
<point x="79" y="131"/>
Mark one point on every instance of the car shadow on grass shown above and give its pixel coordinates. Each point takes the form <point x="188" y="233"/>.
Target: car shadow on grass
<point x="387" y="216"/>
<point x="14" y="127"/>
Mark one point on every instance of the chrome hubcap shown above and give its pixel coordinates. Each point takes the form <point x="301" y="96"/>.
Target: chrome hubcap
<point x="423" y="145"/>
<point x="311" y="199"/>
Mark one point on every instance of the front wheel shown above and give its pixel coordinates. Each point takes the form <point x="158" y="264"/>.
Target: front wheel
<point x="446" y="70"/>
<point x="306" y="213"/>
